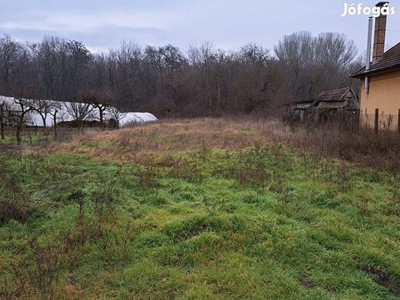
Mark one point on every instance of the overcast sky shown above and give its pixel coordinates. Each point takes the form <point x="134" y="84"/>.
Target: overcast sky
<point x="227" y="24"/>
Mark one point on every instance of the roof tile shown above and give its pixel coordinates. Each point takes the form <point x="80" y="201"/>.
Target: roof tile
<point x="332" y="95"/>
<point x="390" y="60"/>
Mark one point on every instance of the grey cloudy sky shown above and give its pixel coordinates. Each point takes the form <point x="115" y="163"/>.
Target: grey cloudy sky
<point x="227" y="24"/>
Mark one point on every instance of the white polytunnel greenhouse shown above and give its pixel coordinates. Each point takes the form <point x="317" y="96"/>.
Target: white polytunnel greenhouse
<point x="43" y="112"/>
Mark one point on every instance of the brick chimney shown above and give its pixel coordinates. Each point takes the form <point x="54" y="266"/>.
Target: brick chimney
<point x="379" y="35"/>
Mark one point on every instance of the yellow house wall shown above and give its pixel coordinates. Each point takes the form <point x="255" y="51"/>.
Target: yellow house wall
<point x="384" y="94"/>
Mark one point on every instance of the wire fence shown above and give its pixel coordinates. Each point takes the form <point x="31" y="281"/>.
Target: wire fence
<point x="354" y="119"/>
<point x="380" y="121"/>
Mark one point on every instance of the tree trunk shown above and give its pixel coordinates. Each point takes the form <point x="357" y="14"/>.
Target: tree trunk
<point x="55" y="124"/>
<point x="101" y="116"/>
<point x="44" y="124"/>
<point x="2" y="121"/>
<point x="19" y="128"/>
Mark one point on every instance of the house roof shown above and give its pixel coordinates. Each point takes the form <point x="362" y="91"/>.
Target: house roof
<point x="332" y="95"/>
<point x="390" y="60"/>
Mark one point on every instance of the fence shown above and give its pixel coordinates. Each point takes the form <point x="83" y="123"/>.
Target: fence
<point x="347" y="119"/>
<point x="379" y="121"/>
<point x="354" y="119"/>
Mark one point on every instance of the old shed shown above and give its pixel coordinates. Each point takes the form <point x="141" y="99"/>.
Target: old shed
<point x="343" y="99"/>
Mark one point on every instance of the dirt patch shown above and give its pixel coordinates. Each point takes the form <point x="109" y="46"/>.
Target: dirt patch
<point x="9" y="211"/>
<point x="6" y="148"/>
<point x="304" y="281"/>
<point x="383" y="279"/>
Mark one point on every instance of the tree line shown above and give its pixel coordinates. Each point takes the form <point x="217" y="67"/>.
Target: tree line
<point x="205" y="81"/>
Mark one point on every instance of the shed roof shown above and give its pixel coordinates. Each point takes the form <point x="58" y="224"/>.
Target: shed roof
<point x="333" y="95"/>
<point x="334" y="99"/>
<point x="390" y="60"/>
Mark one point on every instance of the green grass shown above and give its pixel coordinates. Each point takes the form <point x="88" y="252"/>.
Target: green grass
<point x="254" y="222"/>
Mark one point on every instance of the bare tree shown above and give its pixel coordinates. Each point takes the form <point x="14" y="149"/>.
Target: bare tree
<point x="79" y="112"/>
<point x="13" y="62"/>
<point x="24" y="107"/>
<point x="115" y="114"/>
<point x="294" y="53"/>
<point x="99" y="99"/>
<point x="253" y="85"/>
<point x="207" y="78"/>
<point x="129" y="77"/>
<point x="311" y="65"/>
<point x="45" y="108"/>
<point x="206" y="81"/>
<point x="168" y="71"/>
<point x="17" y="72"/>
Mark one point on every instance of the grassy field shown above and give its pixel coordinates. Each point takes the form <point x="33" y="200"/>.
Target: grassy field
<point x="202" y="209"/>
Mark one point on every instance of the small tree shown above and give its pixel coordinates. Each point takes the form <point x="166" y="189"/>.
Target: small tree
<point x="79" y="112"/>
<point x="25" y="106"/>
<point x="45" y="108"/>
<point x="115" y="114"/>
<point x="100" y="99"/>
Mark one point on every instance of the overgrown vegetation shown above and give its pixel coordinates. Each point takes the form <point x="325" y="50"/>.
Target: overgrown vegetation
<point x="202" y="209"/>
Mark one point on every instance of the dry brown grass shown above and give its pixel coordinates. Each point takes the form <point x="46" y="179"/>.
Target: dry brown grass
<point x="173" y="136"/>
<point x="361" y="146"/>
<point x="178" y="135"/>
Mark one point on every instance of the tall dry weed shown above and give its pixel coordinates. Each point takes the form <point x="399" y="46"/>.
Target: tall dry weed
<point x="362" y="146"/>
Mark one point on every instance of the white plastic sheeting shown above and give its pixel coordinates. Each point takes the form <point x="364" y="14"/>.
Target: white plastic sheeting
<point x="133" y="117"/>
<point x="34" y="118"/>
